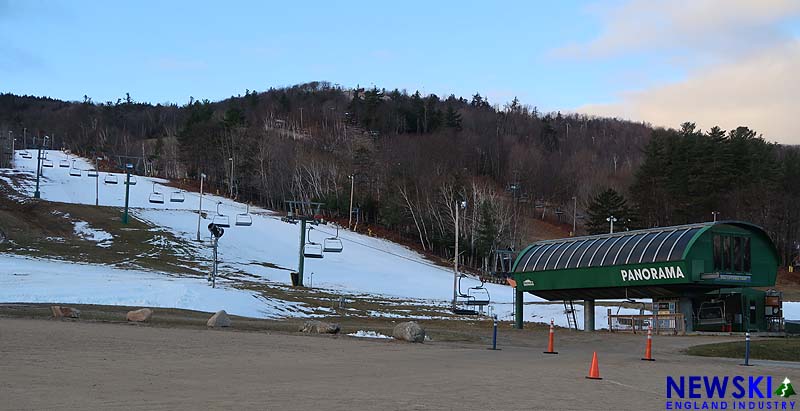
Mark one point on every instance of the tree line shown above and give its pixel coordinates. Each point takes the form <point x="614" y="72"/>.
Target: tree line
<point x="412" y="158"/>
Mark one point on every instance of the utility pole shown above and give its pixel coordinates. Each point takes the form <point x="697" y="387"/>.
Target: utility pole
<point x="574" y="213"/>
<point x="301" y="119"/>
<point x="11" y="137"/>
<point x="24" y="138"/>
<point x="352" y="184"/>
<point x="128" y="168"/>
<point x="611" y="220"/>
<point x="200" y="207"/>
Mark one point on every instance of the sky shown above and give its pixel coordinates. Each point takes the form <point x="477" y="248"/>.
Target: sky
<point x="713" y="62"/>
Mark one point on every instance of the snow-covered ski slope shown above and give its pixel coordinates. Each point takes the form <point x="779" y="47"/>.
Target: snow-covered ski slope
<point x="268" y="249"/>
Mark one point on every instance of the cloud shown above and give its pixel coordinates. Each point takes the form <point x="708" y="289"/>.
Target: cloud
<point x="759" y="91"/>
<point x="721" y="27"/>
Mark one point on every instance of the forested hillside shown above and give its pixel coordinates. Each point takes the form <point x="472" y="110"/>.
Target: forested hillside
<point x="412" y="158"/>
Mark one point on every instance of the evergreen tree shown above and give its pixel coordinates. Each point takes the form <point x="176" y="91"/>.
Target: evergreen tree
<point x="452" y="118"/>
<point x="487" y="230"/>
<point x="606" y="204"/>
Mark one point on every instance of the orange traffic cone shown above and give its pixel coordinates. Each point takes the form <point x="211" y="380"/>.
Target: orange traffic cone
<point x="550" y="343"/>
<point x="648" y="351"/>
<point x="594" y="370"/>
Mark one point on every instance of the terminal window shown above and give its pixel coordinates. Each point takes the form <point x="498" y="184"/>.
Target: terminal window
<point x="731" y="253"/>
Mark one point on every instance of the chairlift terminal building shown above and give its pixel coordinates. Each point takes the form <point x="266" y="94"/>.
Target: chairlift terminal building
<point x="694" y="270"/>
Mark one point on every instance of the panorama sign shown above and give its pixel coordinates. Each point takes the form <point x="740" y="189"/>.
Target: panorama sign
<point x="644" y="274"/>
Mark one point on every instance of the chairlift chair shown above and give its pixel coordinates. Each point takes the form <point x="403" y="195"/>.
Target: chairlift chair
<point x="110" y="179"/>
<point x="92" y="173"/>
<point x="156" y="197"/>
<point x="63" y="163"/>
<point x="75" y="172"/>
<point x="133" y="181"/>
<point x="26" y="155"/>
<point x="244" y="219"/>
<point x="177" y="197"/>
<point x="310" y="248"/>
<point x="333" y="244"/>
<point x="221" y="219"/>
<point x="471" y="301"/>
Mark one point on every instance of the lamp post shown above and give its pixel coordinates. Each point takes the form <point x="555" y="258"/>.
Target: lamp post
<point x="37" y="194"/>
<point x="11" y="137"/>
<point x="715" y="214"/>
<point x="231" y="160"/>
<point x="200" y="207"/>
<point x="611" y="220"/>
<point x="574" y="211"/>
<point x="128" y="168"/>
<point x="96" y="182"/>
<point x="459" y="205"/>
<point x="352" y="184"/>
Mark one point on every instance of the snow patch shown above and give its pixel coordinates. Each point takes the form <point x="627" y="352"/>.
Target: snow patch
<point x="368" y="334"/>
<point x="85" y="231"/>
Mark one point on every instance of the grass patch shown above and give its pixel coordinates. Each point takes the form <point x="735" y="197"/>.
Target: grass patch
<point x="784" y="349"/>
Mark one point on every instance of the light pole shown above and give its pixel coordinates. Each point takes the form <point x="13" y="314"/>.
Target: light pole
<point x="715" y="214"/>
<point x="96" y="182"/>
<point x="459" y="205"/>
<point x="352" y="184"/>
<point x="231" y="160"/>
<point x="611" y="220"/>
<point x="574" y="211"/>
<point x="37" y="194"/>
<point x="200" y="207"/>
<point x="11" y="137"/>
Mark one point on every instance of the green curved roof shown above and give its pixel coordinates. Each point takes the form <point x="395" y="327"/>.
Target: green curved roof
<point x="661" y="244"/>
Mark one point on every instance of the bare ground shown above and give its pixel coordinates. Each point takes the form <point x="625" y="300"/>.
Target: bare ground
<point x="48" y="364"/>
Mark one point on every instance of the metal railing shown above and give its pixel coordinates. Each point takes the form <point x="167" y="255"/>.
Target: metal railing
<point x="661" y="323"/>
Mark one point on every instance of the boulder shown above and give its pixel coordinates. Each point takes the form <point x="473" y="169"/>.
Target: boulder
<point x="68" y="312"/>
<point x="141" y="315"/>
<point x="319" y="327"/>
<point x="409" y="331"/>
<point x="220" y="319"/>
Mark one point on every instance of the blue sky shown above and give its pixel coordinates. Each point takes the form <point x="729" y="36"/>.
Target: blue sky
<point x="565" y="55"/>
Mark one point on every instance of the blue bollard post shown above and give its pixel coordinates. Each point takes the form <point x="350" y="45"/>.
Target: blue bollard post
<point x="494" y="336"/>
<point x="747" y="349"/>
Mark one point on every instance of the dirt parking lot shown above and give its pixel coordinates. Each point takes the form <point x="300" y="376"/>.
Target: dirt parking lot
<point x="48" y="364"/>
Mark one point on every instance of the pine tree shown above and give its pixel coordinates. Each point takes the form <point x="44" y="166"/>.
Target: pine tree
<point x="606" y="204"/>
<point x="452" y="118"/>
<point x="487" y="230"/>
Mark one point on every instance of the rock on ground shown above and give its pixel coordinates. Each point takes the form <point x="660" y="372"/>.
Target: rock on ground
<point x="141" y="315"/>
<point x="68" y="312"/>
<point x="409" y="331"/>
<point x="319" y="327"/>
<point x="220" y="319"/>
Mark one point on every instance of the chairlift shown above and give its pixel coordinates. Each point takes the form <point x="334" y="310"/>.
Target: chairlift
<point x="110" y="179"/>
<point x="75" y="172"/>
<point x="310" y="248"/>
<point x="711" y="313"/>
<point x="133" y="181"/>
<point x="63" y="163"/>
<point x="245" y="219"/>
<point x="177" y="197"/>
<point x="471" y="301"/>
<point x="221" y="219"/>
<point x="26" y="155"/>
<point x="92" y="173"/>
<point x="333" y="244"/>
<point x="155" y="196"/>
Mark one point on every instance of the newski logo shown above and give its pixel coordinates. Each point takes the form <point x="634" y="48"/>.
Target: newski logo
<point x="660" y="273"/>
